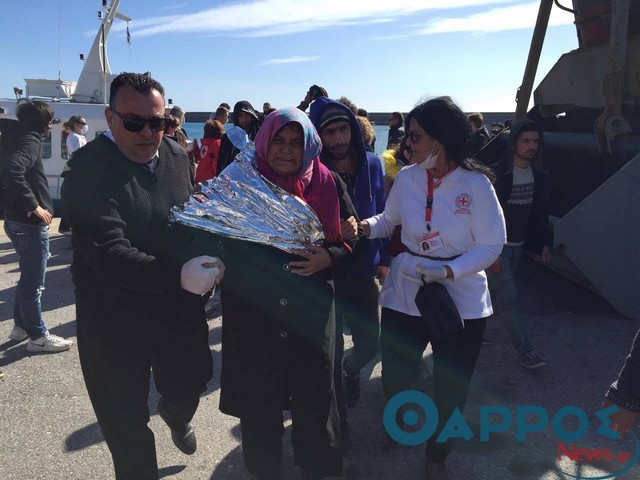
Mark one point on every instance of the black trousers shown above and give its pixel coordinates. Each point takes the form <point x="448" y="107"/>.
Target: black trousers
<point x="357" y="306"/>
<point x="117" y="359"/>
<point x="403" y="340"/>
<point x="303" y="373"/>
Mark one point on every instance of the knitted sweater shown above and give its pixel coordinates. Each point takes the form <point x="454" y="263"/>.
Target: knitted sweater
<point x="625" y="391"/>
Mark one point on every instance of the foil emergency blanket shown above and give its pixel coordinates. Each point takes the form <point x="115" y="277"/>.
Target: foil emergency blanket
<point x="242" y="204"/>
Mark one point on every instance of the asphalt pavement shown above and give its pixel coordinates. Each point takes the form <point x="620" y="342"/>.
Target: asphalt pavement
<point x="48" y="429"/>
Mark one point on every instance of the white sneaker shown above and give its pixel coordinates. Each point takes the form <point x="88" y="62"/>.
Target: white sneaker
<point x="18" y="334"/>
<point x="49" y="343"/>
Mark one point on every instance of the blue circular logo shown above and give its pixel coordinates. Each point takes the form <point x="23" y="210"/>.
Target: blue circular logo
<point x="412" y="399"/>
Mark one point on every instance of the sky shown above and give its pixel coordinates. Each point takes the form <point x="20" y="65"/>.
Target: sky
<point x="384" y="55"/>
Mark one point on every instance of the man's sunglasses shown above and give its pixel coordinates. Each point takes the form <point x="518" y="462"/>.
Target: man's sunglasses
<point x="136" y="124"/>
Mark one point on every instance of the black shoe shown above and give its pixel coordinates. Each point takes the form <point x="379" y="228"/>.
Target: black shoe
<point x="350" y="385"/>
<point x="345" y="438"/>
<point x="532" y="360"/>
<point x="182" y="435"/>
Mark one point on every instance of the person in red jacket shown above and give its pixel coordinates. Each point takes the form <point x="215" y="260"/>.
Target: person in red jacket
<point x="206" y="154"/>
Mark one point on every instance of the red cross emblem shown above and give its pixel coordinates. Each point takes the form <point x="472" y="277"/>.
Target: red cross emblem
<point x="463" y="201"/>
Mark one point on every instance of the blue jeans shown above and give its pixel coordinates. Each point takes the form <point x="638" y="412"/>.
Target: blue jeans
<point x="32" y="246"/>
<point x="504" y="295"/>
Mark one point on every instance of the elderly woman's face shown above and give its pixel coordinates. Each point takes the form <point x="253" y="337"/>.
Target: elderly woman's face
<point x="286" y="150"/>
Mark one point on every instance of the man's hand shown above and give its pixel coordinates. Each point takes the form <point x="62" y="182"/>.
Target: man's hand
<point x="496" y="267"/>
<point x="349" y="228"/>
<point x="317" y="260"/>
<point x="199" y="274"/>
<point x="42" y="214"/>
<point x="382" y="274"/>
<point x="623" y="419"/>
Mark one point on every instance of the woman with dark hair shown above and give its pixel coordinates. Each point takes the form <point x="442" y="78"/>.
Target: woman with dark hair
<point x="77" y="134"/>
<point x="452" y="229"/>
<point x="278" y="328"/>
<point x="206" y="154"/>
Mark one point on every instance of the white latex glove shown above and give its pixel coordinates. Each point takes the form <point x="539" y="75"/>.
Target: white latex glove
<point x="199" y="274"/>
<point x="431" y="274"/>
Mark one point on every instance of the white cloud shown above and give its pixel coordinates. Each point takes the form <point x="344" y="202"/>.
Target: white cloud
<point x="174" y="7"/>
<point x="280" y="61"/>
<point x="513" y="17"/>
<point x="283" y="17"/>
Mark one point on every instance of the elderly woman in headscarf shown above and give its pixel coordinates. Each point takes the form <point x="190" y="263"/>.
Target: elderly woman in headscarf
<point x="278" y="329"/>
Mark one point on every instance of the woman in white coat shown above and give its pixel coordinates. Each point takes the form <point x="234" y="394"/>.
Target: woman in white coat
<point x="452" y="229"/>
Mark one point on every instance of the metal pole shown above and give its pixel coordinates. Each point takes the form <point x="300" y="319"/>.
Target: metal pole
<point x="524" y="92"/>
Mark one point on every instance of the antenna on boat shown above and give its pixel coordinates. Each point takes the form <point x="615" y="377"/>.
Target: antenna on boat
<point x="59" y="41"/>
<point x="96" y="75"/>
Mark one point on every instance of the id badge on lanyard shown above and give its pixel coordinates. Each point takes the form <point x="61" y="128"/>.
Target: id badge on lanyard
<point x="431" y="239"/>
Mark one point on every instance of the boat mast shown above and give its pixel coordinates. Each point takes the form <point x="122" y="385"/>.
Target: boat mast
<point x="96" y="76"/>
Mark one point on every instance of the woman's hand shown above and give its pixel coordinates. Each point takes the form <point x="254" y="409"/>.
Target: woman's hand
<point x="366" y="228"/>
<point x="318" y="259"/>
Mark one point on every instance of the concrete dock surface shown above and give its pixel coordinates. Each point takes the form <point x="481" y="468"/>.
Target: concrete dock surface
<point x="48" y="429"/>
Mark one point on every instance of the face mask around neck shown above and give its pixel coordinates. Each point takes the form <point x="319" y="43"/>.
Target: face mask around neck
<point x="431" y="160"/>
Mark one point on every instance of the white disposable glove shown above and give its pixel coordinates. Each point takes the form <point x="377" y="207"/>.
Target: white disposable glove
<point x="199" y="274"/>
<point x="431" y="274"/>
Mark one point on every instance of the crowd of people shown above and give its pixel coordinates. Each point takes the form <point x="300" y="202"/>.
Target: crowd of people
<point x="432" y="216"/>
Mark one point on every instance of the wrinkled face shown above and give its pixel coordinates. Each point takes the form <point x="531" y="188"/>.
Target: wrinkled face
<point x="139" y="147"/>
<point x="244" y="120"/>
<point x="419" y="143"/>
<point x="286" y="150"/>
<point x="527" y="145"/>
<point x="336" y="139"/>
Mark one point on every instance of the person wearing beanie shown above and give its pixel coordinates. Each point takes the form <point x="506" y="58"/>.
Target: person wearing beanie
<point x="523" y="189"/>
<point x="245" y="117"/>
<point x="343" y="152"/>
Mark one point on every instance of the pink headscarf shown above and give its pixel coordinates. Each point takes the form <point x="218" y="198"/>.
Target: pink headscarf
<point x="313" y="183"/>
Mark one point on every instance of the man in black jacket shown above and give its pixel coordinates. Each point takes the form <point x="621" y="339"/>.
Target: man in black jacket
<point x="245" y="117"/>
<point x="396" y="132"/>
<point x="28" y="213"/>
<point x="523" y="190"/>
<point x="139" y="299"/>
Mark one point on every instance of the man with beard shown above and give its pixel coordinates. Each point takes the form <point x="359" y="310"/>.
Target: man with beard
<point x="523" y="190"/>
<point x="343" y="152"/>
<point x="245" y="117"/>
